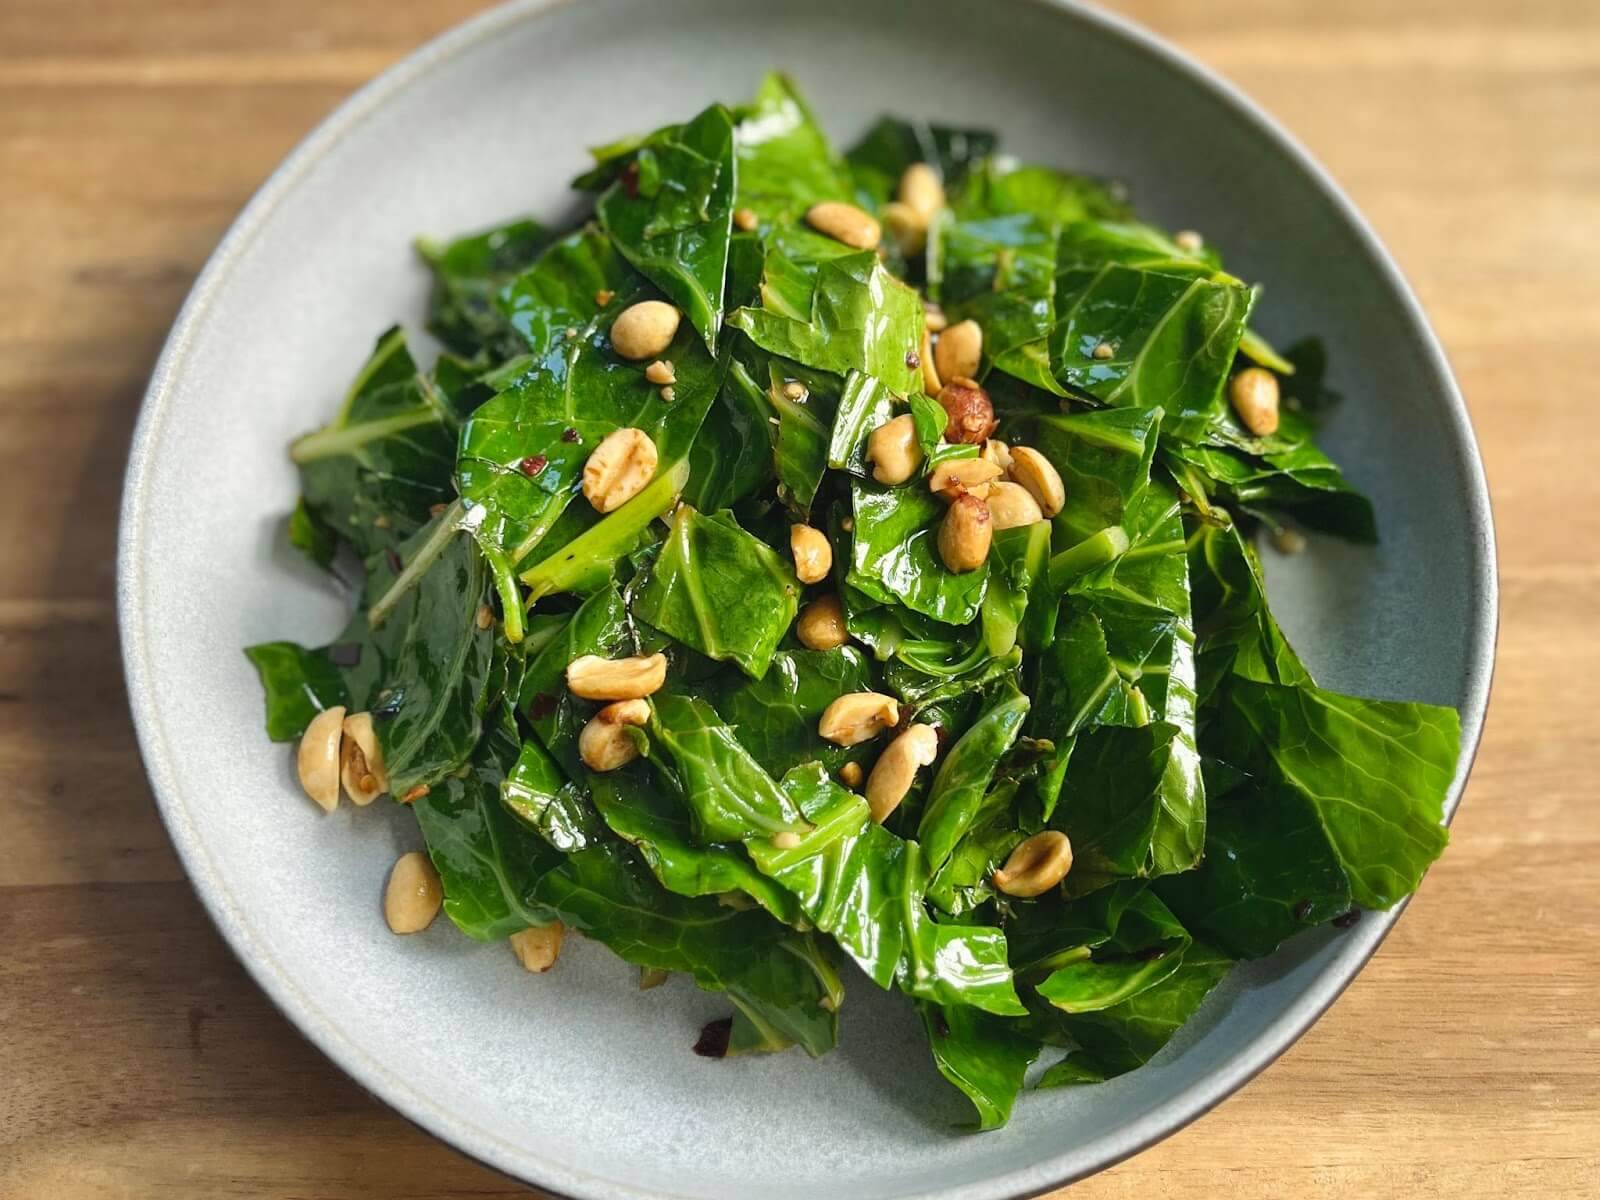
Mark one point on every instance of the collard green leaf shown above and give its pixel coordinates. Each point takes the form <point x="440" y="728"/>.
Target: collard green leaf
<point x="640" y="810"/>
<point x="729" y="797"/>
<point x="488" y="862"/>
<point x="730" y="458"/>
<point x="1018" y="562"/>
<point x="1118" y="1039"/>
<point x="373" y="473"/>
<point x="468" y="274"/>
<point x="884" y="152"/>
<point x="864" y="405"/>
<point x="673" y="220"/>
<point x="605" y="894"/>
<point x="895" y="555"/>
<point x="862" y="319"/>
<point x="312" y="536"/>
<point x="1001" y="272"/>
<point x="599" y="626"/>
<point x="298" y="683"/>
<point x="539" y="794"/>
<point x="522" y="453"/>
<point x="1236" y="634"/>
<point x="965" y="771"/>
<point x="1375" y="771"/>
<point x="998" y="188"/>
<point x="963" y="883"/>
<point x="720" y="590"/>
<point x="785" y="164"/>
<point x="1172" y="338"/>
<point x="1142" y="946"/>
<point x="985" y="1056"/>
<point x="1269" y="872"/>
<point x="1104" y="461"/>
<point x="775" y="717"/>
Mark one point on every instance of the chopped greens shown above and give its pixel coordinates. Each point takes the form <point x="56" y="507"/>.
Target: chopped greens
<point x="1050" y="798"/>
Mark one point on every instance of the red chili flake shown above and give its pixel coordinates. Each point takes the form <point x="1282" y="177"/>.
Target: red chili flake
<point x="543" y="705"/>
<point x="630" y="179"/>
<point x="395" y="564"/>
<point x="569" y="435"/>
<point x="714" y="1039"/>
<point x="415" y="794"/>
<point x="913" y="359"/>
<point x="1302" y="910"/>
<point x="1348" y="919"/>
<point x="533" y="464"/>
<point x="435" y="509"/>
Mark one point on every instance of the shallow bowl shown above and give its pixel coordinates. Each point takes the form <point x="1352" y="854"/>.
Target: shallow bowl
<point x="576" y="1081"/>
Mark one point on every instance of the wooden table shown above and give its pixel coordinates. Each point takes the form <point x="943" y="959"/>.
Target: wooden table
<point x="137" y="1059"/>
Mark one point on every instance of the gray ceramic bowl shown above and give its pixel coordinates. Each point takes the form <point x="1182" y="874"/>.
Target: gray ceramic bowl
<point x="576" y="1081"/>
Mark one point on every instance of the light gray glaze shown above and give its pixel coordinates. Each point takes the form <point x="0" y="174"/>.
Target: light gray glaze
<point x="576" y="1081"/>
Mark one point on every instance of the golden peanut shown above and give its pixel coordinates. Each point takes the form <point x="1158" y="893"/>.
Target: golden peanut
<point x="786" y="839"/>
<point x="625" y="712"/>
<point x="1288" y="541"/>
<point x="906" y="226"/>
<point x="361" y="760"/>
<point x="1188" y="241"/>
<point x="960" y="351"/>
<point x="858" y="717"/>
<point x="618" y="469"/>
<point x="957" y="475"/>
<point x="965" y="534"/>
<point x="997" y="452"/>
<point x="1036" y="865"/>
<point x="893" y="450"/>
<point x="537" y="949"/>
<point x="317" y="760"/>
<point x="844" y="223"/>
<point x="850" y="774"/>
<point x="606" y="745"/>
<point x="412" y="899"/>
<point x="1036" y="473"/>
<point x="896" y="769"/>
<point x="933" y="316"/>
<point x="922" y="191"/>
<point x="930" y="373"/>
<point x="1011" y="505"/>
<point x="645" y="329"/>
<point x="745" y="219"/>
<point x="968" y="409"/>
<point x="661" y="372"/>
<point x="652" y="977"/>
<point x="596" y="678"/>
<point x="1254" y="394"/>
<point x="813" y="556"/>
<point x="821" y="625"/>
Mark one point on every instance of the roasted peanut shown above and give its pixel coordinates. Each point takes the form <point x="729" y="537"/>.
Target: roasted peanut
<point x="596" y="678"/>
<point x="1010" y="505"/>
<point x="844" y="223"/>
<point x="537" y="949"/>
<point x="967" y="407"/>
<point x="813" y="556"/>
<point x="957" y="475"/>
<point x="933" y="316"/>
<point x="930" y="373"/>
<point x="1254" y="395"/>
<point x="1036" y="865"/>
<point x="997" y="452"/>
<point x="618" y="469"/>
<point x="745" y="219"/>
<point x="906" y="226"/>
<point x="606" y="745"/>
<point x="896" y="769"/>
<point x="820" y="625"/>
<point x="661" y="372"/>
<point x="785" y="839"/>
<point x="858" y="717"/>
<point x="922" y="191"/>
<point x="965" y="534"/>
<point x="361" y="760"/>
<point x="850" y="774"/>
<point x="317" y="760"/>
<point x="960" y="351"/>
<point x="625" y="712"/>
<point x="1188" y="241"/>
<point x="1288" y="541"/>
<point x="412" y="899"/>
<point x="645" y="329"/>
<point x="893" y="450"/>
<point x="1036" y="473"/>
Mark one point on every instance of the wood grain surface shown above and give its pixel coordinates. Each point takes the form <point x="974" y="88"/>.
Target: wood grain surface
<point x="136" y="1057"/>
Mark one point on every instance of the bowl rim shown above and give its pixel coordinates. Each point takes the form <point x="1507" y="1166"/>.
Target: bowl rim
<point x="1161" y="1120"/>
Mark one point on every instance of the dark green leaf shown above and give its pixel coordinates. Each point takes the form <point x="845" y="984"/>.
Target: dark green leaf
<point x="775" y="717"/>
<point x="895" y="556"/>
<point x="298" y="683"/>
<point x="468" y="274"/>
<point x="964" y="773"/>
<point x="985" y="1056"/>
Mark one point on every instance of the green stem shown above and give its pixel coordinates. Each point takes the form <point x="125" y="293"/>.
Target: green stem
<point x="427" y="554"/>
<point x="1096" y="550"/>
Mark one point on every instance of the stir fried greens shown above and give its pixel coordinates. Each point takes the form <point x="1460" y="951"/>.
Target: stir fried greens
<point x="818" y="558"/>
